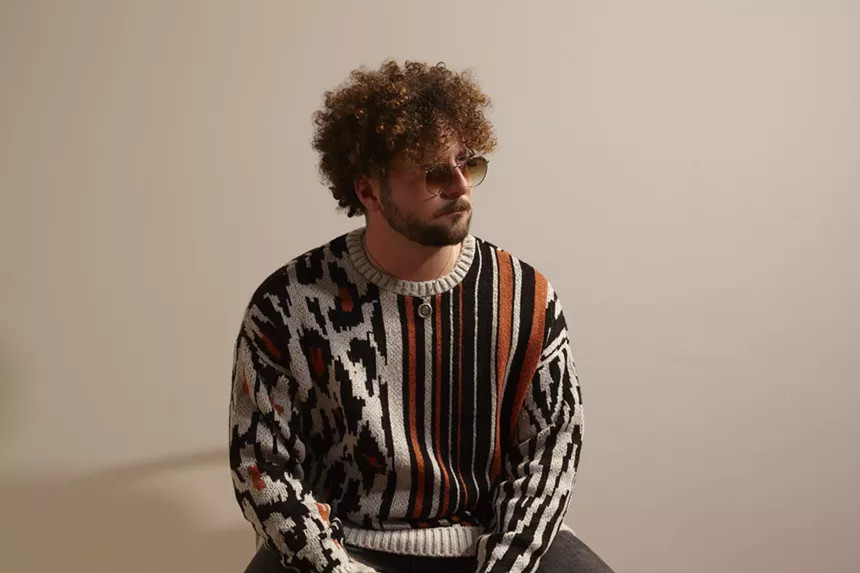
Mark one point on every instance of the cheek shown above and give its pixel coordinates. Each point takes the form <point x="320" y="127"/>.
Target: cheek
<point x="413" y="204"/>
<point x="417" y="200"/>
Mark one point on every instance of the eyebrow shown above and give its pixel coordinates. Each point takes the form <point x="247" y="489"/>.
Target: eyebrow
<point x="464" y="152"/>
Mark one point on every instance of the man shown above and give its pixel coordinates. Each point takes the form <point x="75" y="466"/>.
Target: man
<point x="404" y="397"/>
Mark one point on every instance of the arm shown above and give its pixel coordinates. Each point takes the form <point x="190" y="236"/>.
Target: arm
<point x="266" y="452"/>
<point x="536" y="485"/>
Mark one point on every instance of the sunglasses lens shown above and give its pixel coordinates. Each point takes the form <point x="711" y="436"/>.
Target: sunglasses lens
<point x="438" y="178"/>
<point x="475" y="170"/>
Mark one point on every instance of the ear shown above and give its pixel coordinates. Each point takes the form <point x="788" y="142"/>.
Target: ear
<point x="367" y="190"/>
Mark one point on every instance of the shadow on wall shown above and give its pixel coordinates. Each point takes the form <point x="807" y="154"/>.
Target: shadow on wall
<point x="140" y="518"/>
<point x="8" y="413"/>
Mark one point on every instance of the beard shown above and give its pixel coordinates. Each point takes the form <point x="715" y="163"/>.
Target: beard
<point x="442" y="234"/>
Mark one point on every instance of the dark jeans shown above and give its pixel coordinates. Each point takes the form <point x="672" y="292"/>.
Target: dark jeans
<point x="567" y="554"/>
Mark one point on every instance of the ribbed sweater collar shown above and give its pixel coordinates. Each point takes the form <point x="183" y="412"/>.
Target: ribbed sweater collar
<point x="414" y="288"/>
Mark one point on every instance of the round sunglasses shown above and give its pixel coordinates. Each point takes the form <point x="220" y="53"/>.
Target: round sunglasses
<point x="440" y="176"/>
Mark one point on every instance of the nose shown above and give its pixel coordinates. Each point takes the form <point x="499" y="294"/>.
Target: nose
<point x="459" y="184"/>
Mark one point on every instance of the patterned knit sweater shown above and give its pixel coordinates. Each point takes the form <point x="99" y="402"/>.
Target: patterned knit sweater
<point x="439" y="418"/>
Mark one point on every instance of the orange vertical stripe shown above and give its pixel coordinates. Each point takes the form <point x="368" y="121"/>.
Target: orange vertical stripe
<point x="503" y="348"/>
<point x="534" y="350"/>
<point x="439" y="367"/>
<point x="413" y="430"/>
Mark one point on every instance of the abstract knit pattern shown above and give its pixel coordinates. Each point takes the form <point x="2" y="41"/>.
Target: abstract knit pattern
<point x="360" y="417"/>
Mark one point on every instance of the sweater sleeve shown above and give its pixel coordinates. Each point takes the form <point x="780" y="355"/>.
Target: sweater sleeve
<point x="266" y="452"/>
<point x="535" y="488"/>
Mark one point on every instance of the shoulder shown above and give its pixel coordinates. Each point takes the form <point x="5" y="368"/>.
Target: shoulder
<point x="308" y="271"/>
<point x="527" y="284"/>
<point x="512" y="267"/>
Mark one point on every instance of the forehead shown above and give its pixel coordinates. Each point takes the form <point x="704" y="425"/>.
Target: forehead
<point x="443" y="153"/>
<point x="438" y="153"/>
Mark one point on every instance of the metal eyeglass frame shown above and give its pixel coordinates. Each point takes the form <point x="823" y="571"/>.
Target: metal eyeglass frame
<point x="459" y="166"/>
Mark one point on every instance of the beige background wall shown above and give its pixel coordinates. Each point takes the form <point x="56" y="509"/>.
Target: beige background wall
<point x="685" y="172"/>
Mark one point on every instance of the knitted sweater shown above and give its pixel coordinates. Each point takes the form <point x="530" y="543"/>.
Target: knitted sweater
<point x="439" y="418"/>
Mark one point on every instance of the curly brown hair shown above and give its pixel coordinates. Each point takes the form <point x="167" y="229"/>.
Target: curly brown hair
<point x="410" y="110"/>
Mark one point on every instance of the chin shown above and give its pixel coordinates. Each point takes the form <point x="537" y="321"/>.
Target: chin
<point x="441" y="236"/>
<point x="433" y="234"/>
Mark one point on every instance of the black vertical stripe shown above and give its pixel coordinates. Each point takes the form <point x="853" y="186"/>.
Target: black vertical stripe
<point x="457" y="415"/>
<point x="466" y="461"/>
<point x="485" y="374"/>
<point x="449" y="393"/>
<point x="422" y="409"/>
<point x="407" y="403"/>
<point x="444" y="397"/>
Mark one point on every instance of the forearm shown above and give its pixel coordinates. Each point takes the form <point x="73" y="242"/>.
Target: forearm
<point x="264" y="459"/>
<point x="531" y="499"/>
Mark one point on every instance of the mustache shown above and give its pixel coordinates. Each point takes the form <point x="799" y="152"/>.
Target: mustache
<point x="464" y="206"/>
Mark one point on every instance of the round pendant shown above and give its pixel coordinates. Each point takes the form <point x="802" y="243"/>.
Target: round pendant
<point x="425" y="310"/>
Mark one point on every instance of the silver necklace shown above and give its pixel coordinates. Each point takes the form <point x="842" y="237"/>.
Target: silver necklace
<point x="424" y="309"/>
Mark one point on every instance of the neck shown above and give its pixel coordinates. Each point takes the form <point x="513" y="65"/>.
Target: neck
<point x="405" y="259"/>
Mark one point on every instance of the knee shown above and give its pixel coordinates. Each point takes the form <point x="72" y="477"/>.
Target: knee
<point x="570" y="554"/>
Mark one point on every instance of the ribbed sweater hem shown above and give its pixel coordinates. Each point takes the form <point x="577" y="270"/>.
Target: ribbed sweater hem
<point x="448" y="541"/>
